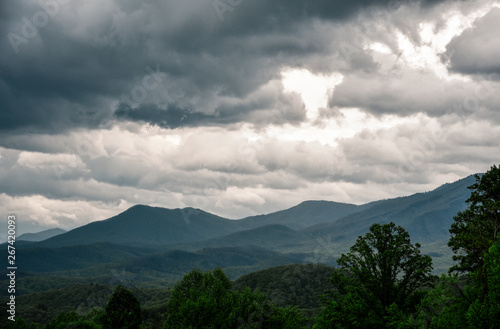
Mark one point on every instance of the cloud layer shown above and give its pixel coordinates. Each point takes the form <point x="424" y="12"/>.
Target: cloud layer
<point x="240" y="107"/>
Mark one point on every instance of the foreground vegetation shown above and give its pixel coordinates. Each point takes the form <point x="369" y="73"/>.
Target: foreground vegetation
<point x="383" y="282"/>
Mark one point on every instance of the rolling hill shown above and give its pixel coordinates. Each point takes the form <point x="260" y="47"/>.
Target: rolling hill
<point x="108" y="263"/>
<point x="297" y="284"/>
<point x="273" y="237"/>
<point x="40" y="236"/>
<point x="427" y="216"/>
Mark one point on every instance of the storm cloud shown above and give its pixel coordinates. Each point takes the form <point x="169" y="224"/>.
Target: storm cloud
<point x="240" y="107"/>
<point x="477" y="50"/>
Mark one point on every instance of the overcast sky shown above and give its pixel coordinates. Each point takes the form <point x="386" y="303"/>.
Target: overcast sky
<point x="240" y="107"/>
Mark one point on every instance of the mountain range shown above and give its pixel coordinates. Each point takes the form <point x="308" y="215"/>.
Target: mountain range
<point x="152" y="243"/>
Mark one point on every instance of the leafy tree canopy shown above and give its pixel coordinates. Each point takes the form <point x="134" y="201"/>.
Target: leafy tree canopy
<point x="380" y="278"/>
<point x="205" y="300"/>
<point x="123" y="310"/>
<point x="476" y="228"/>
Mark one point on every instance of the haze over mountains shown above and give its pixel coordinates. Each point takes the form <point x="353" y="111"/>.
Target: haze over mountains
<point x="150" y="243"/>
<point x="427" y="216"/>
<point x="40" y="236"/>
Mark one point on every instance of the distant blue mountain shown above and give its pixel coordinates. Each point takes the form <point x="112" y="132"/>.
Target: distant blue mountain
<point x="143" y="225"/>
<point x="40" y="236"/>
<point x="427" y="216"/>
<point x="314" y="231"/>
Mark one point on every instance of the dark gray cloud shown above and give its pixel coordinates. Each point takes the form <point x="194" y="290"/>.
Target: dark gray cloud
<point x="268" y="105"/>
<point x="405" y="94"/>
<point x="477" y="50"/>
<point x="171" y="103"/>
<point x="64" y="67"/>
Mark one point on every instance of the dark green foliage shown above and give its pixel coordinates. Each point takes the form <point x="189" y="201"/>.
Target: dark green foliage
<point x="461" y="303"/>
<point x="140" y="265"/>
<point x="45" y="260"/>
<point x="445" y="306"/>
<point x="20" y="323"/>
<point x="285" y="318"/>
<point x="154" y="316"/>
<point x="63" y="320"/>
<point x="476" y="229"/>
<point x="205" y="300"/>
<point x="379" y="283"/>
<point x="475" y="241"/>
<point x="349" y="310"/>
<point x="297" y="284"/>
<point x="45" y="306"/>
<point x="484" y="311"/>
<point x="199" y="299"/>
<point x="72" y="320"/>
<point x="387" y="265"/>
<point x="123" y="310"/>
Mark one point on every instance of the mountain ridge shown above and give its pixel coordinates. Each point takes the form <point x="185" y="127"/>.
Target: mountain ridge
<point x="146" y="225"/>
<point x="409" y="212"/>
<point x="152" y="243"/>
<point x="321" y="229"/>
<point x="40" y="236"/>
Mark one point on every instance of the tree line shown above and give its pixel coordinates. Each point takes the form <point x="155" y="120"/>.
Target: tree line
<point x="382" y="282"/>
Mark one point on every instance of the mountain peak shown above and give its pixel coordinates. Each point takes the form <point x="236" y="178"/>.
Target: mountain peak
<point x="40" y="236"/>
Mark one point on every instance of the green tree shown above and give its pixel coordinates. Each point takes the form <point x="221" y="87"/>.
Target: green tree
<point x="285" y="318"/>
<point x="443" y="307"/>
<point x="200" y="300"/>
<point x="484" y="312"/>
<point x="122" y="311"/>
<point x="205" y="300"/>
<point x="379" y="282"/>
<point x="20" y="323"/>
<point x="63" y="320"/>
<point x="474" y="238"/>
<point x="476" y="229"/>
